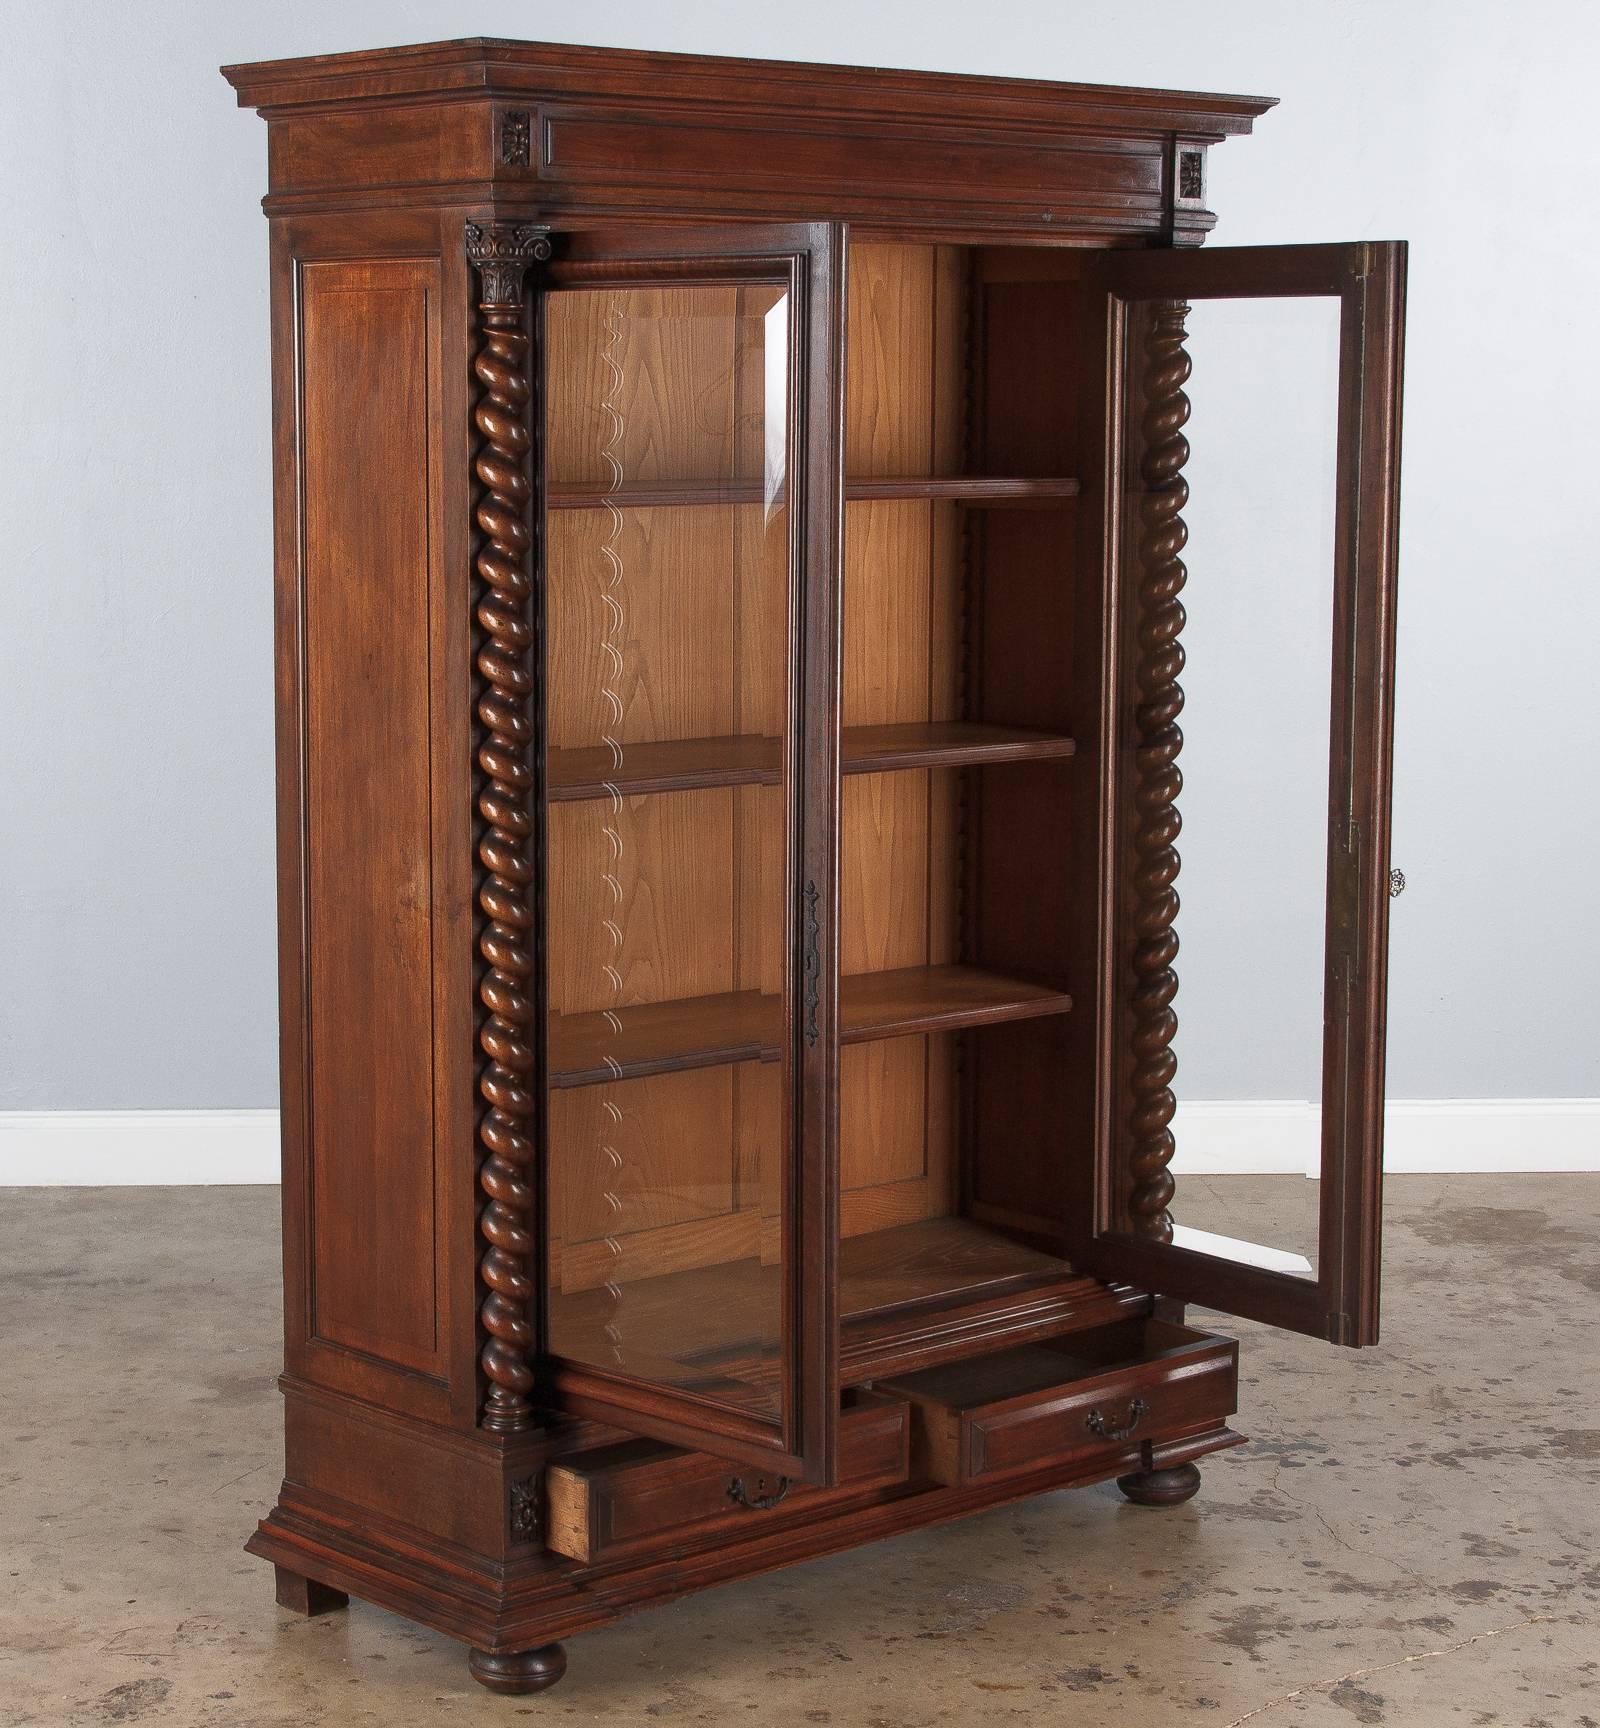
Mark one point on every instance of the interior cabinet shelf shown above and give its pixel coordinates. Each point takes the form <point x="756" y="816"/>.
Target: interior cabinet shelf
<point x="682" y="763"/>
<point x="974" y="490"/>
<point x="746" y="1025"/>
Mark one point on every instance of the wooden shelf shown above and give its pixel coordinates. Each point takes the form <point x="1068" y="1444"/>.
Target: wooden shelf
<point x="946" y="744"/>
<point x="707" y="1327"/>
<point x="746" y="1026"/>
<point x="976" y="491"/>
<point x="675" y="765"/>
<point x="662" y="1037"/>
<point x="938" y="999"/>
<point x="681" y="764"/>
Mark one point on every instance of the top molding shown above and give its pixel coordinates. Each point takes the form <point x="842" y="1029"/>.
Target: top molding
<point x="602" y="132"/>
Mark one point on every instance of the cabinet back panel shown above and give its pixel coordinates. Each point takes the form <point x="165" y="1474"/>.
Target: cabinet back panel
<point x="898" y="832"/>
<point x="1029" y="1118"/>
<point x="370" y="363"/>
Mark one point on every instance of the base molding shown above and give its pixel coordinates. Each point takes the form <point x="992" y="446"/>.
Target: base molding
<point x="520" y="1606"/>
<point x="1217" y="1137"/>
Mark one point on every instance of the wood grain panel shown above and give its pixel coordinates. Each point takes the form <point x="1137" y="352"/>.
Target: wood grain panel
<point x="886" y="614"/>
<point x="662" y="361"/>
<point x="370" y="368"/>
<point x="672" y="1135"/>
<point x="668" y="611"/>
<point x="882" y="1135"/>
<point x="899" y="832"/>
<point x="889" y="333"/>
<point x="661" y="869"/>
<point x="883" y="872"/>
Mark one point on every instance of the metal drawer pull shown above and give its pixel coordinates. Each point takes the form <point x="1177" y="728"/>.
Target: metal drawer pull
<point x="1097" y="1424"/>
<point x="763" y="1499"/>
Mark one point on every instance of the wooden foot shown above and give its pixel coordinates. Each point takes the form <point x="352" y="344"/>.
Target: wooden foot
<point x="306" y="1596"/>
<point x="518" y="1671"/>
<point x="1161" y="1487"/>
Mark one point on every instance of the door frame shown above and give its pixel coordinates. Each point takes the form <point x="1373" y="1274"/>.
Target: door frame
<point x="1368" y="280"/>
<point x="810" y="259"/>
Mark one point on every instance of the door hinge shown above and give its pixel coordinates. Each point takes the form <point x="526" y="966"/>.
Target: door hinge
<point x="1344" y="898"/>
<point x="811" y="964"/>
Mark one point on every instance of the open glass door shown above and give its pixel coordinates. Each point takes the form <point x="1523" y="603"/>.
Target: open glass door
<point x="1241" y="1124"/>
<point x="691" y="488"/>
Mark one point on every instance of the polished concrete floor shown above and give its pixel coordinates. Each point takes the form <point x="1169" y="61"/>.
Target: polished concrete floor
<point x="1413" y="1537"/>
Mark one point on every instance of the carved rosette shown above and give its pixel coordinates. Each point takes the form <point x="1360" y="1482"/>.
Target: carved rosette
<point x="1157" y="780"/>
<point x="501" y="253"/>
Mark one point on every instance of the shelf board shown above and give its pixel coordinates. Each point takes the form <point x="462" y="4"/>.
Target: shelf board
<point x="909" y="1297"/>
<point x="974" y="490"/>
<point x="663" y="1037"/>
<point x="747" y="1026"/>
<point x="946" y="744"/>
<point x="938" y="999"/>
<point x="681" y="764"/>
<point x="674" y="765"/>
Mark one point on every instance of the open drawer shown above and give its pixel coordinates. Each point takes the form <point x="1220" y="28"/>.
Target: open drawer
<point x="638" y="1494"/>
<point x="1104" y="1392"/>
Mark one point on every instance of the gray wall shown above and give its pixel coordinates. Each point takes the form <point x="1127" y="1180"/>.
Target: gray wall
<point x="136" y="930"/>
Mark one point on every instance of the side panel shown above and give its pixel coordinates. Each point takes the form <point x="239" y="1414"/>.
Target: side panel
<point x="369" y="352"/>
<point x="374" y="853"/>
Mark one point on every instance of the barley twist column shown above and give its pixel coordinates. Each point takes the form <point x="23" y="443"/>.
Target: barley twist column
<point x="501" y="253"/>
<point x="1157" y="781"/>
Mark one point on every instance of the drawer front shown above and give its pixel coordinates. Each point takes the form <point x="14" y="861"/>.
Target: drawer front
<point x="621" y="1499"/>
<point x="1108" y="1415"/>
<point x="971" y="1425"/>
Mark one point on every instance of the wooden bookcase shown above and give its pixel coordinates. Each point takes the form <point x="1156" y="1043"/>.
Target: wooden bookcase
<point x="729" y="531"/>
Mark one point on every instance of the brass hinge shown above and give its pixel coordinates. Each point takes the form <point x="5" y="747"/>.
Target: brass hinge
<point x="1344" y="897"/>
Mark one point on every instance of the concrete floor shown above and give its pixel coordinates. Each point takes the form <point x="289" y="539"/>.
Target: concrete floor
<point x="1413" y="1537"/>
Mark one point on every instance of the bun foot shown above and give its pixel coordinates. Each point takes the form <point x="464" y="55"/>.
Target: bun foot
<point x="306" y="1596"/>
<point x="518" y="1671"/>
<point x="1161" y="1487"/>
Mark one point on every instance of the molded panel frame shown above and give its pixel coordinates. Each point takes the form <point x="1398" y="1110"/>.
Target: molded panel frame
<point x="809" y="259"/>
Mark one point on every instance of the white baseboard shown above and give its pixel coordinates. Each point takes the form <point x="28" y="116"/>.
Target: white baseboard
<point x="1421" y="1136"/>
<point x="127" y="1148"/>
<point x="113" y="1148"/>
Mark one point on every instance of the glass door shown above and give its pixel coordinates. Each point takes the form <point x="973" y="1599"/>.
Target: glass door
<point x="1245" y="776"/>
<point x="691" y="490"/>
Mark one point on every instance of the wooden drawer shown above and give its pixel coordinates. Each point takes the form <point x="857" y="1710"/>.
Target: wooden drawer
<point x="1103" y="1392"/>
<point x="638" y="1494"/>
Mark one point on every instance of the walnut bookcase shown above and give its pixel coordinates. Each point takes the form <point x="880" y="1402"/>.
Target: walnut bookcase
<point x="729" y="524"/>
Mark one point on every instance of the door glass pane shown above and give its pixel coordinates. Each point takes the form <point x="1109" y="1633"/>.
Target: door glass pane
<point x="667" y="616"/>
<point x="1251" y="885"/>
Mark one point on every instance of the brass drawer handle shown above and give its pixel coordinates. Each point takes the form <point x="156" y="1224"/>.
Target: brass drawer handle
<point x="762" y="1499"/>
<point x="1097" y="1424"/>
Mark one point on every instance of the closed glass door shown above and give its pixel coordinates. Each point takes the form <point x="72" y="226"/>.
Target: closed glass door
<point x="690" y="481"/>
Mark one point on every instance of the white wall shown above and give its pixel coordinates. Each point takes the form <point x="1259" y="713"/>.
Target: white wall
<point x="136" y="927"/>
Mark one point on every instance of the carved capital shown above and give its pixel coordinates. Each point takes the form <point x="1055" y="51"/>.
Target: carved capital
<point x="501" y="253"/>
